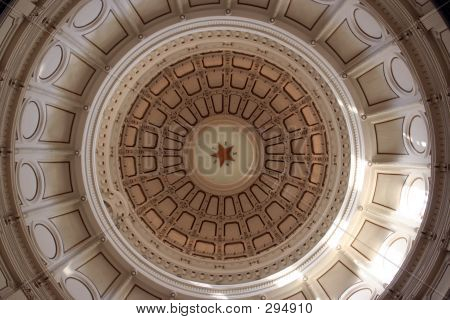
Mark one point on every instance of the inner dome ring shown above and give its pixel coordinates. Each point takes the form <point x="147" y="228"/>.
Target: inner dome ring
<point x="234" y="169"/>
<point x="177" y="279"/>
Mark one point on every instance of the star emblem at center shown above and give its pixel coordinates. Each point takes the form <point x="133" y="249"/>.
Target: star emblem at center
<point x="223" y="154"/>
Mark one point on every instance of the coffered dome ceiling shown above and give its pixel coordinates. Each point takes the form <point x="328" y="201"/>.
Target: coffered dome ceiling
<point x="224" y="149"/>
<point x="267" y="190"/>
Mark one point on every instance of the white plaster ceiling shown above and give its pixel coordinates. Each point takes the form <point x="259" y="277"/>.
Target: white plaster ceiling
<point x="95" y="193"/>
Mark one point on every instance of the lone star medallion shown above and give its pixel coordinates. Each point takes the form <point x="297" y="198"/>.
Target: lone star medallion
<point x="224" y="154"/>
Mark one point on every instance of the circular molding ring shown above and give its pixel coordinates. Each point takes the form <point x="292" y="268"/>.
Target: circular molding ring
<point x="92" y="129"/>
